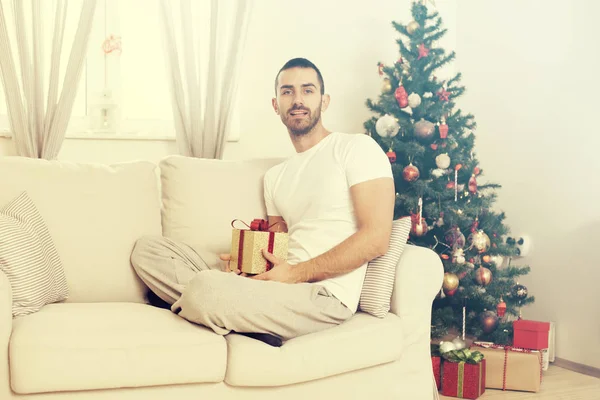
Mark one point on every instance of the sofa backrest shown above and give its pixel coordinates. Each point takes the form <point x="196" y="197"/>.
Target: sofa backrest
<point x="94" y="213"/>
<point x="201" y="198"/>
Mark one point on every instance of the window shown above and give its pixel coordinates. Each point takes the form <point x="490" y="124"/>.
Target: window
<point x="133" y="68"/>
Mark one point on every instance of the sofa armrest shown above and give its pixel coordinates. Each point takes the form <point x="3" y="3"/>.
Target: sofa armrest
<point x="419" y="277"/>
<point x="5" y="332"/>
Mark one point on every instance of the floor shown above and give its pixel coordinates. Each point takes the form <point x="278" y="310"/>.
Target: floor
<point x="558" y="384"/>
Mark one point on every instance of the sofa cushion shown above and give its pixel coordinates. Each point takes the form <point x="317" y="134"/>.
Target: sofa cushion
<point x="28" y="258"/>
<point x="66" y="347"/>
<point x="376" y="293"/>
<point x="94" y="214"/>
<point x="361" y="342"/>
<point x="201" y="197"/>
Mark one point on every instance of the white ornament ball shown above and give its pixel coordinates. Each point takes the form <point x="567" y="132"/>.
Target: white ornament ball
<point x="458" y="256"/>
<point x="459" y="343"/>
<point x="438" y="172"/>
<point x="428" y="95"/>
<point x="387" y="126"/>
<point x="498" y="260"/>
<point x="414" y="100"/>
<point x="442" y="161"/>
<point x="446" y="347"/>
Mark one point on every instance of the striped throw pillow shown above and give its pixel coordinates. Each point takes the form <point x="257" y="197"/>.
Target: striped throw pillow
<point x="376" y="293"/>
<point x="28" y="258"/>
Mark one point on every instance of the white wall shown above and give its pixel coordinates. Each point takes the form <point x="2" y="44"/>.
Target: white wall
<point x="531" y="74"/>
<point x="531" y="71"/>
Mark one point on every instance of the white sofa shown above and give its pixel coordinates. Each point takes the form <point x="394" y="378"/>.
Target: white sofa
<point x="105" y="342"/>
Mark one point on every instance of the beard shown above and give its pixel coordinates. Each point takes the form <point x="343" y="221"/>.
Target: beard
<point x="300" y="127"/>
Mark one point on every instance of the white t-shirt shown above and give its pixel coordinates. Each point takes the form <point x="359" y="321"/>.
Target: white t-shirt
<point x="311" y="192"/>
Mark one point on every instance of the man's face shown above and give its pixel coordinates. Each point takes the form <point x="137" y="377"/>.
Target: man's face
<point x="299" y="101"/>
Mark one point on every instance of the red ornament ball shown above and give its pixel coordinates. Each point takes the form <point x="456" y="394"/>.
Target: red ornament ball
<point x="392" y="156"/>
<point x="410" y="173"/>
<point x="419" y="227"/>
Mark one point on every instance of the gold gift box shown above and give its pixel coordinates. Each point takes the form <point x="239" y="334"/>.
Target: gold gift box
<point x="523" y="370"/>
<point x="253" y="261"/>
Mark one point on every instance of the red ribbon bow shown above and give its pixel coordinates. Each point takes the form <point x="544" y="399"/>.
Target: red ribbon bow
<point x="261" y="225"/>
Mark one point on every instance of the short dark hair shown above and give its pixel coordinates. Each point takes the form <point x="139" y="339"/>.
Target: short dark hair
<point x="301" y="63"/>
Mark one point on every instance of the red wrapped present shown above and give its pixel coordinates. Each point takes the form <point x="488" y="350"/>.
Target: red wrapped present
<point x="531" y="334"/>
<point x="465" y="378"/>
<point x="437" y="370"/>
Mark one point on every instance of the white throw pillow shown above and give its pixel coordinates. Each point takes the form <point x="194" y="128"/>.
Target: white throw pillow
<point x="377" y="288"/>
<point x="28" y="258"/>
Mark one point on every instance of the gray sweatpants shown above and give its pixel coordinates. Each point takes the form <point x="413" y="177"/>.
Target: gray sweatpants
<point x="193" y="282"/>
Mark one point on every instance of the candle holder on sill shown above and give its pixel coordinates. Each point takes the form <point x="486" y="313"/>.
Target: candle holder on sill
<point x="103" y="113"/>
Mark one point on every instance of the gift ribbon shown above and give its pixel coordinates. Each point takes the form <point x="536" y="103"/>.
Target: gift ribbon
<point x="461" y="379"/>
<point x="506" y="350"/>
<point x="463" y="355"/>
<point x="257" y="225"/>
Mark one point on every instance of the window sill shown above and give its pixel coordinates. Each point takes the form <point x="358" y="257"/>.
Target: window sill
<point x="115" y="136"/>
<point x="118" y="136"/>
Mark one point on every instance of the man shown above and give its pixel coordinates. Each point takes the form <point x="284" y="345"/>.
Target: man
<point x="335" y="198"/>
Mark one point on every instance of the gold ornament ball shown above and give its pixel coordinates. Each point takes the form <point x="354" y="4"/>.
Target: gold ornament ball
<point x="489" y="321"/>
<point x="483" y="276"/>
<point x="450" y="281"/>
<point x="386" y="86"/>
<point x="412" y="27"/>
<point x="480" y="241"/>
<point x="424" y="129"/>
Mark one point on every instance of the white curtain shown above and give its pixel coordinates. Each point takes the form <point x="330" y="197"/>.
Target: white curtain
<point x="203" y="93"/>
<point x="38" y="125"/>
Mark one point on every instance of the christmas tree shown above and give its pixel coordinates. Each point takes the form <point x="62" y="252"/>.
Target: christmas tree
<point x="430" y="143"/>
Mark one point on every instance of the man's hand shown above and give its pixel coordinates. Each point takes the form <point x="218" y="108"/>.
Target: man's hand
<point x="227" y="259"/>
<point x="281" y="271"/>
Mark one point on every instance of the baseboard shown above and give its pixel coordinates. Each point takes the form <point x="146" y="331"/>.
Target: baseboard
<point x="581" y="368"/>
